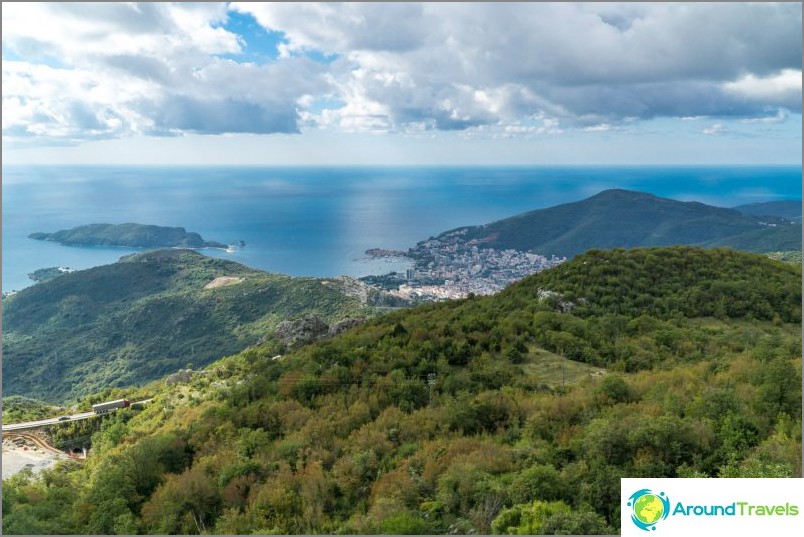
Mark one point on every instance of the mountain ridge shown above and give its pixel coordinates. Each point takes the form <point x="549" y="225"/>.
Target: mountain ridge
<point x="618" y="218"/>
<point x="784" y="208"/>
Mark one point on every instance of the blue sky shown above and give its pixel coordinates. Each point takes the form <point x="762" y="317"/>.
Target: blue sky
<point x="257" y="44"/>
<point x="432" y="83"/>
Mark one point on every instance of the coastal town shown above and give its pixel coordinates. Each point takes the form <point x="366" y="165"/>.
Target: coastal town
<point x="448" y="267"/>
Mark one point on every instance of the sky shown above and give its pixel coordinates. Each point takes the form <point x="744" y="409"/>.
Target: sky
<point x="401" y="83"/>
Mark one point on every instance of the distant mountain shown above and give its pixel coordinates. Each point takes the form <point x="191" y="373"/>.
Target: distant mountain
<point x="625" y="219"/>
<point x="131" y="235"/>
<point x="150" y="314"/>
<point x="790" y="209"/>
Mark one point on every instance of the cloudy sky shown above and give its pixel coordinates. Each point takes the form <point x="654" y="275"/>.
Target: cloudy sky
<point x="431" y="83"/>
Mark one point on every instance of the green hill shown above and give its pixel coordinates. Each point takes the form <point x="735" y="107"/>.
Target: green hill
<point x="790" y="209"/>
<point x="146" y="316"/>
<point x="18" y="409"/>
<point x="625" y="219"/>
<point x="130" y="235"/>
<point x="668" y="282"/>
<point x="513" y="413"/>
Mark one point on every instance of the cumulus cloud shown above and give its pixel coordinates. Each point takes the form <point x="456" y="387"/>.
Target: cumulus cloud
<point x="108" y="70"/>
<point x="779" y="89"/>
<point x="344" y="27"/>
<point x="42" y="102"/>
<point x="456" y="66"/>
<point x="94" y="71"/>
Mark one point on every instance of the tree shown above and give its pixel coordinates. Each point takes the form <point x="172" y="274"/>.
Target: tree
<point x="406" y="524"/>
<point x="527" y="519"/>
<point x="576" y="523"/>
<point x="780" y="391"/>
<point x="612" y="390"/>
<point x="539" y="482"/>
<point x="186" y="503"/>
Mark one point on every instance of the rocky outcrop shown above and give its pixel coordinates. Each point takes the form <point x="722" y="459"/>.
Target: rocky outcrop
<point x="182" y="376"/>
<point x="302" y="331"/>
<point x="312" y="328"/>
<point x="344" y="325"/>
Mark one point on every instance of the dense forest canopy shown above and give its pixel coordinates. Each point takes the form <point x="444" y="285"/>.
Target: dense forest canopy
<point x="515" y="413"/>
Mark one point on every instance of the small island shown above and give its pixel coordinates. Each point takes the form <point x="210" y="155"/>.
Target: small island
<point x="378" y="253"/>
<point x="128" y="235"/>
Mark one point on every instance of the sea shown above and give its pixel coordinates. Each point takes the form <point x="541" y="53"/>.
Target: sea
<point x="319" y="221"/>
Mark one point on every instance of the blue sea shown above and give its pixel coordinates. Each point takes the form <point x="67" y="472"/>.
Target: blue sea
<point x="318" y="221"/>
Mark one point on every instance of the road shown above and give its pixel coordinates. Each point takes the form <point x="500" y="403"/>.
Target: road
<point x="53" y="421"/>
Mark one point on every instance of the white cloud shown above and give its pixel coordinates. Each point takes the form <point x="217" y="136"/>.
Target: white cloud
<point x="780" y="116"/>
<point x="714" y="130"/>
<point x="131" y="69"/>
<point x="343" y="28"/>
<point x="781" y="89"/>
<point x="81" y="34"/>
<point x="69" y="105"/>
<point x="160" y="68"/>
<point x="603" y="127"/>
<point x="461" y="65"/>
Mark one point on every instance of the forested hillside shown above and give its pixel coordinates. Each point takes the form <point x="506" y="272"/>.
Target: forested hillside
<point x="790" y="209"/>
<point x="515" y="413"/>
<point x="626" y="219"/>
<point x="129" y="235"/>
<point x="149" y="315"/>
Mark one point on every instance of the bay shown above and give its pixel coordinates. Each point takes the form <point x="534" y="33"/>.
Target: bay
<point x="318" y="221"/>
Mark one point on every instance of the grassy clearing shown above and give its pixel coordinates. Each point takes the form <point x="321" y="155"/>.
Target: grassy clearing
<point x="549" y="368"/>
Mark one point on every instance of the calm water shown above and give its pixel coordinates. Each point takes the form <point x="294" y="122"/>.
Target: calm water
<point x="319" y="221"/>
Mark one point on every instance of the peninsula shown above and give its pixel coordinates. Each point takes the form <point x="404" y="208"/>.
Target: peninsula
<point x="129" y="235"/>
<point x="484" y="259"/>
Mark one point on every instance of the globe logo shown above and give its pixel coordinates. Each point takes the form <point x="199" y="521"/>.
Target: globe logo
<point x="648" y="508"/>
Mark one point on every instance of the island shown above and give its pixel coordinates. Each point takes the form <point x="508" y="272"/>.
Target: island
<point x="377" y="253"/>
<point x="128" y="235"/>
